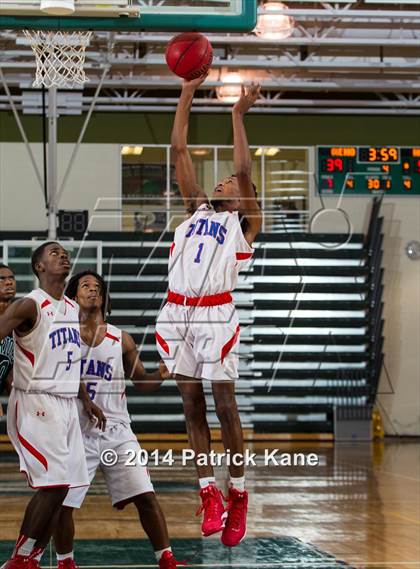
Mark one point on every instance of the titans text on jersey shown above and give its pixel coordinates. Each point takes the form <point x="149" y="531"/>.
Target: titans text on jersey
<point x="205" y="226"/>
<point x="96" y="368"/>
<point x="63" y="336"/>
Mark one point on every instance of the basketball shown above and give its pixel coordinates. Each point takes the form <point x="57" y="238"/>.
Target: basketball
<point x="189" y="55"/>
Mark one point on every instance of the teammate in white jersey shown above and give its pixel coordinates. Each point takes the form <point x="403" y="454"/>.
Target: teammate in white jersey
<point x="108" y="356"/>
<point x="197" y="331"/>
<point x="42" y="416"/>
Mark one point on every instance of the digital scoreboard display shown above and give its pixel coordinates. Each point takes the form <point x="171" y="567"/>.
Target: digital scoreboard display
<point x="368" y="170"/>
<point x="73" y="223"/>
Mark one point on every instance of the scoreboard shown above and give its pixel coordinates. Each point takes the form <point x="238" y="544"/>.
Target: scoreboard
<point x="368" y="170"/>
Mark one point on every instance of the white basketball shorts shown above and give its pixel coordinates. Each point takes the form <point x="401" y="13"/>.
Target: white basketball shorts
<point x="124" y="481"/>
<point x="45" y="431"/>
<point x="199" y="341"/>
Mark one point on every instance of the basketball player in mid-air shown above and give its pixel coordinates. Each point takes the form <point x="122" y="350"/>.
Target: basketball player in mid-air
<point x="108" y="356"/>
<point x="42" y="417"/>
<point x="197" y="331"/>
<point x="7" y="295"/>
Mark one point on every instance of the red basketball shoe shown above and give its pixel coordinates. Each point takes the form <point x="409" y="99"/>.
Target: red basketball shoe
<point x="168" y="561"/>
<point x="27" y="561"/>
<point x="67" y="563"/>
<point x="20" y="562"/>
<point x="214" y="510"/>
<point x="235" y="528"/>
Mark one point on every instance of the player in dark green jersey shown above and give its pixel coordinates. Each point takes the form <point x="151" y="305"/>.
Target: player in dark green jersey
<point x="7" y="295"/>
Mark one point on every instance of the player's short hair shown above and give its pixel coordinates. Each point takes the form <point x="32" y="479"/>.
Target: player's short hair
<point x="73" y="284"/>
<point x="3" y="266"/>
<point x="37" y="254"/>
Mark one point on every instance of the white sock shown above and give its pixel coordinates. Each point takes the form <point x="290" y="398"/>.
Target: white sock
<point x="206" y="481"/>
<point x="26" y="548"/>
<point x="161" y="552"/>
<point x="62" y="556"/>
<point x="238" y="483"/>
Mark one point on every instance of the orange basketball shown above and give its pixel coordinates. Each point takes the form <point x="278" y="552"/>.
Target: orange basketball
<point x="189" y="55"/>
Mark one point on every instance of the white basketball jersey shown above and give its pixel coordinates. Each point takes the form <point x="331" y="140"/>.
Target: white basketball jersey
<point x="48" y="358"/>
<point x="208" y="251"/>
<point x="103" y="374"/>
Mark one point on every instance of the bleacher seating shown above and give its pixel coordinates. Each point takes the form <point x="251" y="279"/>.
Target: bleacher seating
<point x="303" y="304"/>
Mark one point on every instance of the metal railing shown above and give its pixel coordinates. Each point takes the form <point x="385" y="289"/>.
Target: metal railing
<point x="374" y="240"/>
<point x="283" y="180"/>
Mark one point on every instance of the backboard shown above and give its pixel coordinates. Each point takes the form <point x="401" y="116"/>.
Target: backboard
<point x="135" y="15"/>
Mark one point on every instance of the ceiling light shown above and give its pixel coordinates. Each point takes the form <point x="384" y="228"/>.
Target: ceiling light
<point x="200" y="151"/>
<point x="267" y="151"/>
<point x="132" y="150"/>
<point x="57" y="7"/>
<point x="274" y="26"/>
<point x="231" y="91"/>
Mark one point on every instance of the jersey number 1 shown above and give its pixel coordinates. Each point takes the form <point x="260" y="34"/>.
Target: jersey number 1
<point x="198" y="257"/>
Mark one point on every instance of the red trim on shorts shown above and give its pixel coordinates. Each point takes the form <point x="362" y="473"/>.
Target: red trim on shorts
<point x="26" y="444"/>
<point x="230" y="343"/>
<point x="51" y="485"/>
<point x="162" y="342"/>
<point x="44" y="487"/>
<point x="171" y="249"/>
<point x="243" y="256"/>
<point x="27" y="353"/>
<point x="45" y="303"/>
<point x="210" y="300"/>
<point x="111" y="337"/>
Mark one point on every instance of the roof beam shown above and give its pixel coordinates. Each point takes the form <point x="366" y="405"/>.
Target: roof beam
<point x="403" y="102"/>
<point x="281" y="84"/>
<point x="379" y="14"/>
<point x="330" y="63"/>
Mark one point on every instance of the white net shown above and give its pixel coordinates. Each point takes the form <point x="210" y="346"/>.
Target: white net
<point x="60" y="57"/>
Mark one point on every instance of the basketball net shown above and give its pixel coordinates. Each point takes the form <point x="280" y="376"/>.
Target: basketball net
<point x="60" y="57"/>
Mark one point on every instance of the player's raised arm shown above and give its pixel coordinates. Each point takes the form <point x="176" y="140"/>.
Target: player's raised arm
<point x="134" y="368"/>
<point x="243" y="162"/>
<point x="191" y="192"/>
<point x="21" y="315"/>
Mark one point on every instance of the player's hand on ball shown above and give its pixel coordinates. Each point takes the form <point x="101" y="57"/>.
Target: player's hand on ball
<point x="193" y="84"/>
<point x="163" y="370"/>
<point x="247" y="99"/>
<point x="96" y="414"/>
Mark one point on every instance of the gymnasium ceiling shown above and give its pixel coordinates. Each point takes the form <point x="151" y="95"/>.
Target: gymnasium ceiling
<point x="355" y="57"/>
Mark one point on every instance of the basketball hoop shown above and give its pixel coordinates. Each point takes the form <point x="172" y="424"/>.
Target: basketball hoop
<point x="60" y="57"/>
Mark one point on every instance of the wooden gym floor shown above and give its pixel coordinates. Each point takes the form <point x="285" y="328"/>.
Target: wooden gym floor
<point x="361" y="505"/>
